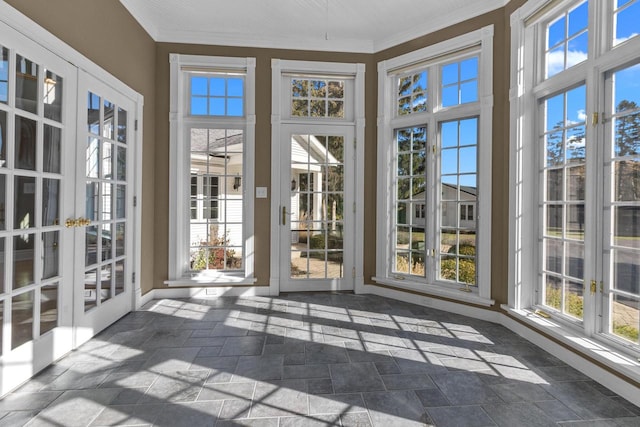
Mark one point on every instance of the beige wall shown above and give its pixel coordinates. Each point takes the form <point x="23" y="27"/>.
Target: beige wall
<point x="106" y="33"/>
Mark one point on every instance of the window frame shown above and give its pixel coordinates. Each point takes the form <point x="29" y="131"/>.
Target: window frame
<point x="181" y="121"/>
<point x="529" y="88"/>
<point x="477" y="43"/>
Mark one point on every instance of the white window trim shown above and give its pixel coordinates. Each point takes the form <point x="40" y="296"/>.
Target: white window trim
<point x="482" y="40"/>
<point x="179" y="188"/>
<point x="278" y="68"/>
<point x="523" y="246"/>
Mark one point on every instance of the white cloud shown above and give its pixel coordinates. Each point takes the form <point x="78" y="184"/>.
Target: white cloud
<point x="623" y="39"/>
<point x="555" y="60"/>
<point x="582" y="115"/>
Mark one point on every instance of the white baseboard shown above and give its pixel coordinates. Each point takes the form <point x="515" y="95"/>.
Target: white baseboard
<point x="205" y="292"/>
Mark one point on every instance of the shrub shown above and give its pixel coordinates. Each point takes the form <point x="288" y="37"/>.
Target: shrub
<point x="466" y="270"/>
<point x="573" y="305"/>
<point x="211" y="255"/>
<point x="465" y="249"/>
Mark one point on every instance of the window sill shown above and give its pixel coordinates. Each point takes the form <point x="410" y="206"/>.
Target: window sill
<point x="212" y="279"/>
<point x="435" y="290"/>
<point x="625" y="364"/>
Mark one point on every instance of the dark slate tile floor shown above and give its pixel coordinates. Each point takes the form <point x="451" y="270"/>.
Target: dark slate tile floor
<point x="310" y="359"/>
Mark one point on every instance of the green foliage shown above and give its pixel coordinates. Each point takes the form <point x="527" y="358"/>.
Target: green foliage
<point x="465" y="249"/>
<point x="626" y="331"/>
<point x="211" y="255"/>
<point x="317" y="242"/>
<point x="573" y="303"/>
<point x="467" y="270"/>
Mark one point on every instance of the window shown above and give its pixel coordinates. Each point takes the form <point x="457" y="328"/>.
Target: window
<point x="436" y="131"/>
<point x="212" y="140"/>
<point x="577" y="113"/>
<point x="317" y="97"/>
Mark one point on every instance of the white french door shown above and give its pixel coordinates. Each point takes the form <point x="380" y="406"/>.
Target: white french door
<point x="37" y="134"/>
<point x="67" y="150"/>
<point x="103" y="217"/>
<point x="317" y="208"/>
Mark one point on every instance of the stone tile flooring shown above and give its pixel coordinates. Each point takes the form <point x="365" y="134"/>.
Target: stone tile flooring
<point x="310" y="359"/>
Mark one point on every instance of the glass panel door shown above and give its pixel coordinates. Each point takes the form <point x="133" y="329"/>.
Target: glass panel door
<point x="36" y="191"/>
<point x="317" y="210"/>
<point x="104" y="207"/>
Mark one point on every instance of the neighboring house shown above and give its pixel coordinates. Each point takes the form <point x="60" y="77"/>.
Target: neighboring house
<point x="466" y="211"/>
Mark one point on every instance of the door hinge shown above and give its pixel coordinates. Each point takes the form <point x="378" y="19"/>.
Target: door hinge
<point x="135" y="201"/>
<point x="353" y="272"/>
<point x="133" y="277"/>
<point x="135" y="125"/>
<point x="594" y="119"/>
<point x="433" y="149"/>
<point x="354" y="207"/>
<point x="594" y="287"/>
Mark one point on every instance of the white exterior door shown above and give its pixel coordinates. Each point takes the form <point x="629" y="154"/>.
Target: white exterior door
<point x="103" y="217"/>
<point x="317" y="208"/>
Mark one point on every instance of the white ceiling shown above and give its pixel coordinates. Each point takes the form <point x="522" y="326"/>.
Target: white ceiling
<point x="365" y="26"/>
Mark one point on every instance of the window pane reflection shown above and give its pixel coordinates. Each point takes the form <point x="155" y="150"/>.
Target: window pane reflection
<point x="25" y="144"/>
<point x="52" y="96"/>
<point x="26" y="85"/>
<point x="24" y="202"/>
<point x="51" y="146"/>
<point x="21" y="319"/>
<point x="50" y="254"/>
<point x="23" y="250"/>
<point x="48" y="308"/>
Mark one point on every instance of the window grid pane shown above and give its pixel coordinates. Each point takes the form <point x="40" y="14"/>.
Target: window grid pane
<point x="322" y="98"/>
<point x="410" y="205"/>
<point x="624" y="267"/>
<point x="563" y="204"/>
<point x="458" y="197"/>
<point x="567" y="40"/>
<point x="216" y="224"/>
<point x="217" y="95"/>
<point x="459" y="82"/>
<point x="412" y="93"/>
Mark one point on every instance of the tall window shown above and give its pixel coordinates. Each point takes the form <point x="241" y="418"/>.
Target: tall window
<point x="436" y="133"/>
<point x="579" y="201"/>
<point x="212" y="140"/>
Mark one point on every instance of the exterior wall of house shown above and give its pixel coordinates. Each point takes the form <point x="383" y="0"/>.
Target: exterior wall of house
<point x="106" y="33"/>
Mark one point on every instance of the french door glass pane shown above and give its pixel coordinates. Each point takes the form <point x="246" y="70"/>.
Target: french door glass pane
<point x="25" y="146"/>
<point x="4" y="76"/>
<point x="52" y="93"/>
<point x="26" y="84"/>
<point x="24" y="202"/>
<point x="3" y="137"/>
<point x="50" y="254"/>
<point x="51" y="149"/>
<point x="23" y="260"/>
<point x="50" y="202"/>
<point x="21" y="319"/>
<point x="316" y="216"/>
<point x="48" y="307"/>
<point x="3" y="196"/>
